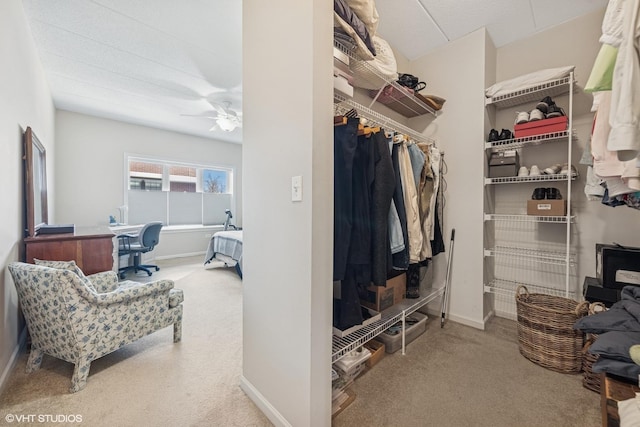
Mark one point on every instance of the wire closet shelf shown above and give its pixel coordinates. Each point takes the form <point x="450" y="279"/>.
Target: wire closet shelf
<point x="374" y="118"/>
<point x="374" y="78"/>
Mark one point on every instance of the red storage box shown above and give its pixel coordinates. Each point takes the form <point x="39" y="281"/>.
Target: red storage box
<point x="539" y="127"/>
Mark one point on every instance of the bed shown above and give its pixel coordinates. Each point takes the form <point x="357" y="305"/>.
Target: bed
<point x="226" y="246"/>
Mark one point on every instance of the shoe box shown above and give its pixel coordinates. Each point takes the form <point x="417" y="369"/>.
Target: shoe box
<point x="392" y="337"/>
<point x="617" y="266"/>
<point x="352" y="364"/>
<point x="540" y="127"/>
<point x="547" y="207"/>
<point x="380" y="298"/>
<point x="504" y="164"/>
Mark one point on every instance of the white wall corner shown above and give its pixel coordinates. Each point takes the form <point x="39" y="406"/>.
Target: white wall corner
<point x="262" y="403"/>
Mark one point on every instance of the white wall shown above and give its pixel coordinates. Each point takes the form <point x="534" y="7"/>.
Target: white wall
<point x="287" y="286"/>
<point x="25" y="100"/>
<point x="91" y="170"/>
<point x="575" y="43"/>
<point x="456" y="72"/>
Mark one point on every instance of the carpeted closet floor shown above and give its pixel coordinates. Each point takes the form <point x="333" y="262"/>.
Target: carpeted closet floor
<point x="456" y="376"/>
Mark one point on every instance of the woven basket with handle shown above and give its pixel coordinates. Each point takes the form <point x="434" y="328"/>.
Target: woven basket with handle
<point x="590" y="380"/>
<point x="545" y="330"/>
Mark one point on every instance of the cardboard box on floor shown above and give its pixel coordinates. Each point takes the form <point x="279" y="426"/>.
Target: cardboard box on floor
<point x="380" y="298"/>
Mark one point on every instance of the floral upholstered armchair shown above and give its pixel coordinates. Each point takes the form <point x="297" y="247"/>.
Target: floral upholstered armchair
<point x="79" y="319"/>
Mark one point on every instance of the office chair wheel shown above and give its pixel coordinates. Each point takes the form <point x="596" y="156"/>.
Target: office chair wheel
<point x="121" y="276"/>
<point x="157" y="268"/>
<point x="149" y="273"/>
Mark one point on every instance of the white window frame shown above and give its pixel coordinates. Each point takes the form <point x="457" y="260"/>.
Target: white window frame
<point x="230" y="188"/>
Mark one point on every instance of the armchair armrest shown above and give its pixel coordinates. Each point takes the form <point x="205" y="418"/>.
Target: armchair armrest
<point x="143" y="290"/>
<point x="105" y="281"/>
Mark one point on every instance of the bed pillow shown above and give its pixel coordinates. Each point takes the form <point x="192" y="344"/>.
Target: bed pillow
<point x="615" y="345"/>
<point x="354" y="26"/>
<point x="66" y="265"/>
<point x="383" y="66"/>
<point x="528" y="80"/>
<point x="367" y="12"/>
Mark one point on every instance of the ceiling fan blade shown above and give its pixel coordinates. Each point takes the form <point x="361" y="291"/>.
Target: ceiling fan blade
<point x="219" y="108"/>
<point x="204" y="115"/>
<point x="214" y="127"/>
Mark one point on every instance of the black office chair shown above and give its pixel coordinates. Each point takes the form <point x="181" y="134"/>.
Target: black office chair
<point x="143" y="242"/>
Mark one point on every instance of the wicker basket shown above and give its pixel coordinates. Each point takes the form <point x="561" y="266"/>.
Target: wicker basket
<point x="590" y="380"/>
<point x="545" y="330"/>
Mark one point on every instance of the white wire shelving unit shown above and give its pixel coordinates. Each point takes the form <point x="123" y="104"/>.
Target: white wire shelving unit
<point x="514" y="143"/>
<point x="374" y="79"/>
<point x="394" y="314"/>
<point x="374" y="118"/>
<point x="529" y="261"/>
<point x="527" y="218"/>
<point x="534" y="178"/>
<point x="533" y="93"/>
<point x="510" y="288"/>
<point x="539" y="255"/>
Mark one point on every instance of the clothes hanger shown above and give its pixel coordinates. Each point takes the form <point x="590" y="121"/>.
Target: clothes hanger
<point x="367" y="130"/>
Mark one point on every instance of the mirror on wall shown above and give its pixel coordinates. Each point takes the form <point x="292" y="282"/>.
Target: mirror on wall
<point x="35" y="183"/>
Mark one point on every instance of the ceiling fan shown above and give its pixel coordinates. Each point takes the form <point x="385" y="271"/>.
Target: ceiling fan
<point x="226" y="119"/>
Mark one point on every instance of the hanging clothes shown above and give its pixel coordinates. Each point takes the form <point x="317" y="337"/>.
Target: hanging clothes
<point x="344" y="147"/>
<point x="382" y="197"/>
<point x="411" y="204"/>
<point x="625" y="99"/>
<point x="425" y="195"/>
<point x="401" y="258"/>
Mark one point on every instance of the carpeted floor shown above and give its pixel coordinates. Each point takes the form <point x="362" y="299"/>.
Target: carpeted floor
<point x="461" y="376"/>
<point x="456" y="376"/>
<point x="154" y="382"/>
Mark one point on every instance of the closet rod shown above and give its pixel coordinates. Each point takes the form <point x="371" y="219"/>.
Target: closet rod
<point x="376" y="119"/>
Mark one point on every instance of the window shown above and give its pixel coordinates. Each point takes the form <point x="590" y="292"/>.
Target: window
<point x="177" y="193"/>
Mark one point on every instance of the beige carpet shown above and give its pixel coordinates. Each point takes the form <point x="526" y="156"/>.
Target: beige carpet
<point x="154" y="382"/>
<point x="461" y="376"/>
<point x="456" y="376"/>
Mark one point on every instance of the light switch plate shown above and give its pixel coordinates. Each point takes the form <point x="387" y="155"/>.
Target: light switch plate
<point x="296" y="188"/>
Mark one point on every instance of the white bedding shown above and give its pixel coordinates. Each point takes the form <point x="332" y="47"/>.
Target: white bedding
<point x="226" y="246"/>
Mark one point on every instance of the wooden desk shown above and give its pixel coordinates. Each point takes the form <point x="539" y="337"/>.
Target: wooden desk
<point x="612" y="391"/>
<point x="90" y="247"/>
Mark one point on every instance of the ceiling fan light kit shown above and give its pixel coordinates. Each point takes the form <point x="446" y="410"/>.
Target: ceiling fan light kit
<point x="225" y="117"/>
<point x="226" y="124"/>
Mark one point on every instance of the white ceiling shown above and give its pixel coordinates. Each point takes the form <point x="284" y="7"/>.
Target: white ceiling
<point x="151" y="61"/>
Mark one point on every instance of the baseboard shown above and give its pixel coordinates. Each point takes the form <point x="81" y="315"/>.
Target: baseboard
<point x="263" y="404"/>
<point x="488" y="316"/>
<point x="22" y="341"/>
<point x="507" y="315"/>
<point x="454" y="318"/>
<point x="180" y="255"/>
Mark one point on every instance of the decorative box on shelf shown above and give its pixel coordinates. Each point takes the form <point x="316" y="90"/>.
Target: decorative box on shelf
<point x="541" y="127"/>
<point x="547" y="207"/>
<point x="503" y="164"/>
